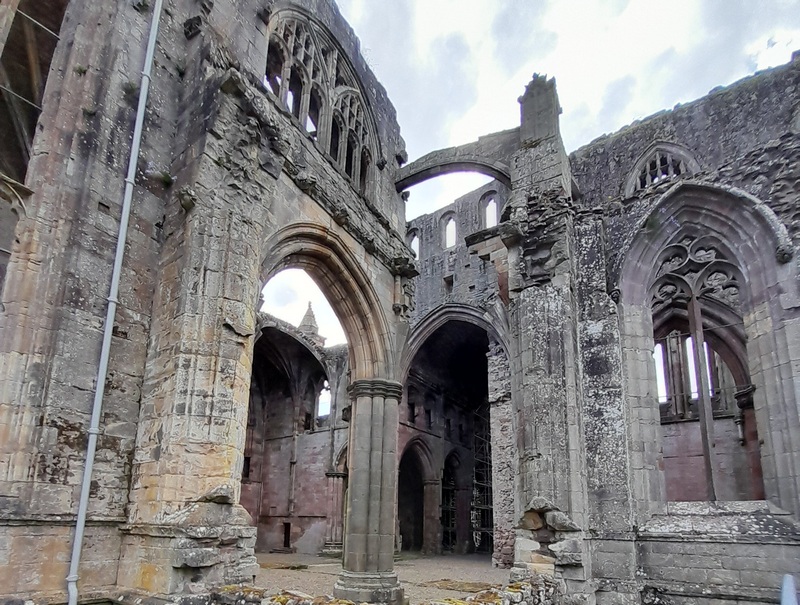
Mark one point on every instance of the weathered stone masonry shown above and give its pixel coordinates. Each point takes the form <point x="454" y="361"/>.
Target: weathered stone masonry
<point x="504" y="374"/>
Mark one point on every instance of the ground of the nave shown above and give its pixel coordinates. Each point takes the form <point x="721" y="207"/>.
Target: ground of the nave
<point x="420" y="575"/>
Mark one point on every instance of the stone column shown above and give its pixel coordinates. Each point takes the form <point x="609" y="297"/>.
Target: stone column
<point x="463" y="519"/>
<point x="503" y="455"/>
<point x="334" y="530"/>
<point x="368" y="574"/>
<point x="432" y="526"/>
<point x="704" y="398"/>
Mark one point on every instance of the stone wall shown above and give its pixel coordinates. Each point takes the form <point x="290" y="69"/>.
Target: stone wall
<point x="465" y="273"/>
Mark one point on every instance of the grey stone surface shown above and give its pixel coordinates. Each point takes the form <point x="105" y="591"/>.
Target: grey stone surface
<point x="513" y="367"/>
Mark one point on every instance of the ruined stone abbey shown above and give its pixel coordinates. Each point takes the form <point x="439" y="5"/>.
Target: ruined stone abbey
<point x="588" y="368"/>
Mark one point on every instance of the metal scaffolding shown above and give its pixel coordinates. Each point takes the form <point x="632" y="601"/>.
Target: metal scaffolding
<point x="481" y="510"/>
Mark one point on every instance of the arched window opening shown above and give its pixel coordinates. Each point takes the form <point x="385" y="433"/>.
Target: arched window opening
<point x="350" y="157"/>
<point x="449" y="232"/>
<point x="663" y="162"/>
<point x="24" y="67"/>
<point x="412" y="403"/>
<point x="366" y="165"/>
<point x="414" y="244"/>
<point x="324" y="401"/>
<point x="295" y="95"/>
<point x="490" y="213"/>
<point x="709" y="438"/>
<point x="274" y="71"/>
<point x="336" y="134"/>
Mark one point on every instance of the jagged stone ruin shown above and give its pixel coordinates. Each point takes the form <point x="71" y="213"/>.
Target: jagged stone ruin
<point x="588" y="368"/>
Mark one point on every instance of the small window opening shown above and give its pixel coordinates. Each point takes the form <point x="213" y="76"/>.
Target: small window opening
<point x="324" y="403"/>
<point x="490" y="213"/>
<point x="428" y="419"/>
<point x="287" y="535"/>
<point x="693" y="386"/>
<point x="307" y="421"/>
<point x="246" y="468"/>
<point x="661" y="382"/>
<point x="448" y="428"/>
<point x="350" y="158"/>
<point x="412" y="412"/>
<point x="295" y="96"/>
<point x="448" y="284"/>
<point x="272" y="75"/>
<point x="414" y="245"/>
<point x="336" y="133"/>
<point x="450" y="233"/>
<point x="312" y="120"/>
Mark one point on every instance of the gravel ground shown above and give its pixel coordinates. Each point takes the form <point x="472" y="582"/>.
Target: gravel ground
<point x="414" y="571"/>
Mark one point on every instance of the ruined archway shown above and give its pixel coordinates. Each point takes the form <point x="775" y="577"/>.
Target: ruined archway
<point x="335" y="268"/>
<point x="447" y="368"/>
<point x="736" y="249"/>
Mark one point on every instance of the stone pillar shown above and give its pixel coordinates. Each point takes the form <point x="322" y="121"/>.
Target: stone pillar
<point x="432" y="526"/>
<point x="605" y="427"/>
<point x="463" y="519"/>
<point x="503" y="455"/>
<point x="368" y="574"/>
<point x="334" y="532"/>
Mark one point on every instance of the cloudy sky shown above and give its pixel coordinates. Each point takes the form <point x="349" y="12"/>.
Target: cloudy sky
<point x="455" y="68"/>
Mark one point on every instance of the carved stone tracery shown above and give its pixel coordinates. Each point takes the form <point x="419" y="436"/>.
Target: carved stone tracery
<point x="695" y="267"/>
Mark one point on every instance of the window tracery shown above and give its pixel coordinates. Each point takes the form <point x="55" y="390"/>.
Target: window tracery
<point x="660" y="163"/>
<point x="315" y="83"/>
<point x="697" y="307"/>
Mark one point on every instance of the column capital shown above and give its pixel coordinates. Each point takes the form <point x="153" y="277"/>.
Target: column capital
<point x="376" y="387"/>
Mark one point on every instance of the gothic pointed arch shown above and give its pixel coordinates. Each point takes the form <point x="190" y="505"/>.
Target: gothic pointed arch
<point x="660" y="162"/>
<point x="492" y="321"/>
<point x="705" y="264"/>
<point x="336" y="269"/>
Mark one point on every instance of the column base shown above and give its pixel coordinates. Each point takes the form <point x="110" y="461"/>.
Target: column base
<point x="363" y="587"/>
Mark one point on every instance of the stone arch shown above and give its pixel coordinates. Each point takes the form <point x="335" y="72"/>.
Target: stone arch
<point x="725" y="211"/>
<point x="424" y="453"/>
<point x="756" y="242"/>
<point x="449" y="161"/>
<point x="418" y="497"/>
<point x="678" y="157"/>
<point x="495" y="327"/>
<point x="490" y="197"/>
<point x="337" y="270"/>
<point x="266" y="325"/>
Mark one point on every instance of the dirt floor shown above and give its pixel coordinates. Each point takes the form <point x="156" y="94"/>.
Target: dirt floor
<point x="424" y="578"/>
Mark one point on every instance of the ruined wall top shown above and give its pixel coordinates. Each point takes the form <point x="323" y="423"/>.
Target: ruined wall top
<point x="691" y="140"/>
